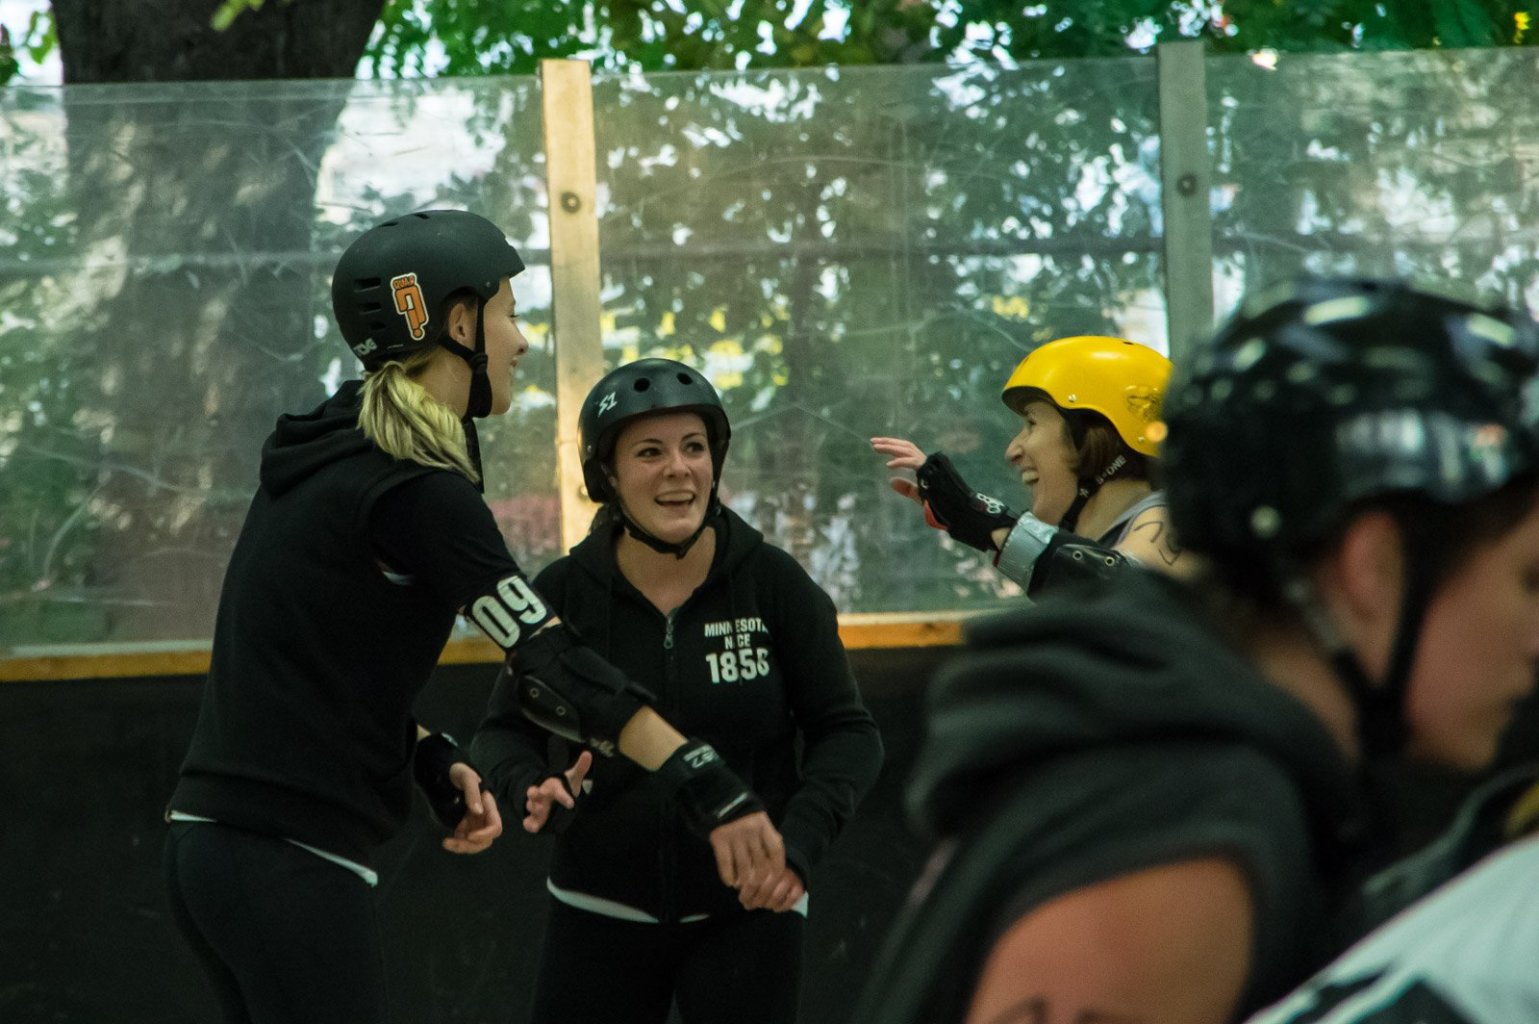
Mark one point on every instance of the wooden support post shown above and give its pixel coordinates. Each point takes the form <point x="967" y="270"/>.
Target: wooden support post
<point x="576" y="324"/>
<point x="1185" y="175"/>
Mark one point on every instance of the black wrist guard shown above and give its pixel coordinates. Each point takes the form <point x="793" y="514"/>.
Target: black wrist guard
<point x="430" y="763"/>
<point x="708" y="792"/>
<point x="951" y="505"/>
<point x="569" y="690"/>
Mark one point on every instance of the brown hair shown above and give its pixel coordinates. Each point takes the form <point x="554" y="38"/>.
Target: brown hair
<point x="1098" y="446"/>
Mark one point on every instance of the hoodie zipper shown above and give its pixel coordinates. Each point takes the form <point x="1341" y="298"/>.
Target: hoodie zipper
<point x="669" y="906"/>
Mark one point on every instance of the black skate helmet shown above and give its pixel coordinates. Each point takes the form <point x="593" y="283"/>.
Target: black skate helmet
<point x="1327" y="393"/>
<point x="643" y="388"/>
<point x="390" y="286"/>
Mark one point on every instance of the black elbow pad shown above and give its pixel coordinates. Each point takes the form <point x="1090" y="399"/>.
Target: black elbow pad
<point x="569" y="690"/>
<point x="1071" y="560"/>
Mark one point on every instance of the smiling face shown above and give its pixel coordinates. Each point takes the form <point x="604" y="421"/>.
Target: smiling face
<point x="1044" y="457"/>
<point x="662" y="473"/>
<point x="1478" y="651"/>
<point x="505" y="345"/>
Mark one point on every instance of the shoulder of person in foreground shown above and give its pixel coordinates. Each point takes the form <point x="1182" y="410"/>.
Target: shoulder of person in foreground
<point x="1142" y="741"/>
<point x="1168" y="944"/>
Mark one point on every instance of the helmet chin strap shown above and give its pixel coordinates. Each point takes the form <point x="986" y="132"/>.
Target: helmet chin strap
<point x="1087" y="489"/>
<point x="678" y="550"/>
<point x="479" y="402"/>
<point x="1381" y="727"/>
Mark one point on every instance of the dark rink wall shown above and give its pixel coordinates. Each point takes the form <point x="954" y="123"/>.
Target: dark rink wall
<point x="85" y="936"/>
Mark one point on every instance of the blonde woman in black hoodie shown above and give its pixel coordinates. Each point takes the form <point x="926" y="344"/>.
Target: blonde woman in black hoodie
<point x="742" y="649"/>
<point x="367" y="535"/>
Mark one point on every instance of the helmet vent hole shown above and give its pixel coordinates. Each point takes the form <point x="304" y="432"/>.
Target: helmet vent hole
<point x="643" y="384"/>
<point x="369" y="307"/>
<point x="685" y="378"/>
<point x="365" y="283"/>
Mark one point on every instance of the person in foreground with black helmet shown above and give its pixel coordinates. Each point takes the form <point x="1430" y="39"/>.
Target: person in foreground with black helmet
<point x="743" y="649"/>
<point x="1087" y="449"/>
<point x="1154" y="800"/>
<point x="366" y="537"/>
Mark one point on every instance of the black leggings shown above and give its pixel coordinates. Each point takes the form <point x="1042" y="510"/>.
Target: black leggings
<point x="285" y="936"/>
<point x="738" y="968"/>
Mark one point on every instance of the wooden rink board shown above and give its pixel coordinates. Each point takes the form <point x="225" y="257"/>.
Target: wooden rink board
<point x="103" y="661"/>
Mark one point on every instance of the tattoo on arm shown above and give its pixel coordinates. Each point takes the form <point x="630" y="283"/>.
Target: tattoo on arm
<point x="1162" y="539"/>
<point x="1037" y="1010"/>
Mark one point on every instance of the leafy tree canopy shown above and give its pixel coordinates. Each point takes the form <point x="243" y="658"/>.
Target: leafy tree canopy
<point x="462" y="37"/>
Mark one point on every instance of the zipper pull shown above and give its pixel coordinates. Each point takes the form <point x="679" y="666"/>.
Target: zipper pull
<point x="668" y="635"/>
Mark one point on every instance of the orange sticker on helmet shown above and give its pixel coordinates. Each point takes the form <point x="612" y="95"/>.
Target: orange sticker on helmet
<point x="409" y="303"/>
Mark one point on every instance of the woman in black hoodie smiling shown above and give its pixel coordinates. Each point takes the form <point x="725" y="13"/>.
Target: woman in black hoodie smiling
<point x="742" y="649"/>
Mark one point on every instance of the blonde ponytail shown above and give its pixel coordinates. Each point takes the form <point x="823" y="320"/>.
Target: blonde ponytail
<point x="408" y="423"/>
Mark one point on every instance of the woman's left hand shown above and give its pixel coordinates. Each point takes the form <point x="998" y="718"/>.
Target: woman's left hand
<point x="778" y="893"/>
<point x="482" y="823"/>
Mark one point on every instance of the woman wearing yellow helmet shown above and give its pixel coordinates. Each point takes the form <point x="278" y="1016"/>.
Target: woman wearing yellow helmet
<point x="1087" y="447"/>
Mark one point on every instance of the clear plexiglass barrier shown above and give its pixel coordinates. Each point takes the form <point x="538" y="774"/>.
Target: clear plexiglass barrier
<point x="844" y="252"/>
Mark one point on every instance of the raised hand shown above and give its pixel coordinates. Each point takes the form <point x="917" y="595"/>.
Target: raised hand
<point x="902" y="455"/>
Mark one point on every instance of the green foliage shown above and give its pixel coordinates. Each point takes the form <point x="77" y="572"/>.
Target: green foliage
<point x="992" y="30"/>
<point x="37" y="41"/>
<point x="45" y="531"/>
<point x="475" y="37"/>
<point x="472" y="37"/>
<point x="418" y="38"/>
<point x="229" y="10"/>
<point x="8" y="63"/>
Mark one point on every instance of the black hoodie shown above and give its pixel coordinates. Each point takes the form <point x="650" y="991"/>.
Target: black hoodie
<point x="305" y="729"/>
<point x="752" y="663"/>
<point x="1100" y="733"/>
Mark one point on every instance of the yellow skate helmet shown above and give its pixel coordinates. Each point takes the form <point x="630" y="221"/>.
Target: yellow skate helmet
<point x="1120" y="379"/>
